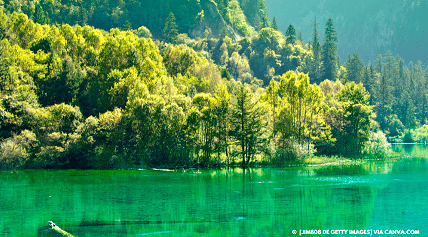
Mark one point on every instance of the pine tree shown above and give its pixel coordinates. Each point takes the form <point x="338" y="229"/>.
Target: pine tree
<point x="290" y="35"/>
<point x="40" y="16"/>
<point x="383" y="102"/>
<point x="223" y="33"/>
<point x="300" y="38"/>
<point x="354" y="67"/>
<point x="264" y="19"/>
<point x="127" y="26"/>
<point x="406" y="112"/>
<point x="389" y="66"/>
<point x="368" y="81"/>
<point x="315" y="73"/>
<point x="379" y="63"/>
<point x="329" y="52"/>
<point x="274" y="24"/>
<point x="248" y="123"/>
<point x="170" y="31"/>
<point x="372" y="84"/>
<point x="399" y="82"/>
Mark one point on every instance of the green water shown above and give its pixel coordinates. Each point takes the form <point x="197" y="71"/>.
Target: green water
<point x="412" y="150"/>
<point x="255" y="202"/>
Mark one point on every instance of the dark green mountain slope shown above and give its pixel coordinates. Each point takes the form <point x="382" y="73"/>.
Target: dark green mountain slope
<point x="193" y="17"/>
<point x="367" y="27"/>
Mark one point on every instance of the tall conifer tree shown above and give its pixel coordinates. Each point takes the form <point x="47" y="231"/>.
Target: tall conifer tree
<point x="315" y="73"/>
<point x="329" y="49"/>
<point x="170" y="31"/>
<point x="274" y="24"/>
<point x="290" y="35"/>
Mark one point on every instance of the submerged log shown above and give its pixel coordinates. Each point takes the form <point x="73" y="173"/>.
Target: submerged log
<point x="59" y="230"/>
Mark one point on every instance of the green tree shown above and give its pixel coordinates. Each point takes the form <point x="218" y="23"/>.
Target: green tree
<point x="247" y="123"/>
<point x="207" y="122"/>
<point x="290" y="35"/>
<point x="170" y="31"/>
<point x="274" y="24"/>
<point x="354" y="68"/>
<point x="316" y="63"/>
<point x="301" y="113"/>
<point x="357" y="114"/>
<point x="144" y="32"/>
<point x="329" y="49"/>
<point x="272" y="92"/>
<point x="400" y="82"/>
<point x="407" y="110"/>
<point x="3" y="25"/>
<point x="221" y="110"/>
<point x="383" y="102"/>
<point x="40" y="15"/>
<point x="300" y="38"/>
<point x="127" y="25"/>
<point x="224" y="32"/>
<point x="238" y="66"/>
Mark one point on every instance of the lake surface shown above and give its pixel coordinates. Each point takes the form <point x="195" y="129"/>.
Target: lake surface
<point x="377" y="195"/>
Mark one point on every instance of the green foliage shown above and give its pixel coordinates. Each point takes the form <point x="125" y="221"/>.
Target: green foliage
<point x="63" y="118"/>
<point x="408" y="138"/>
<point x="170" y="31"/>
<point x="293" y="152"/>
<point x="80" y="97"/>
<point x="315" y="67"/>
<point x="180" y="60"/>
<point x="248" y="126"/>
<point x="142" y="31"/>
<point x="377" y="145"/>
<point x="420" y="135"/>
<point x="290" y="35"/>
<point x="274" y="24"/>
<point x="235" y="16"/>
<point x="238" y="66"/>
<point x="15" y="151"/>
<point x="354" y="68"/>
<point x="351" y="125"/>
<point x="301" y="113"/>
<point x="329" y="49"/>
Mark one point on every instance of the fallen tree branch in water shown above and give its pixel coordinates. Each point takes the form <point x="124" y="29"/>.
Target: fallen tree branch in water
<point x="59" y="230"/>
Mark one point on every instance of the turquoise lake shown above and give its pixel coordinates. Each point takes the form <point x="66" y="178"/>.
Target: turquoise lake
<point x="376" y="195"/>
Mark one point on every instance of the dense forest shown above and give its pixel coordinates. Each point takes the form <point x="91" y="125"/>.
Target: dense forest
<point x="79" y="96"/>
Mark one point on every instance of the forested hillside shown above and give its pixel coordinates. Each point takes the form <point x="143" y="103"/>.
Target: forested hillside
<point x="83" y="97"/>
<point x="366" y="27"/>
<point x="193" y="17"/>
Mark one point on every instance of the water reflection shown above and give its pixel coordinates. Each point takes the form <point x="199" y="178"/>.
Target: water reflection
<point x="411" y="150"/>
<point x="230" y="202"/>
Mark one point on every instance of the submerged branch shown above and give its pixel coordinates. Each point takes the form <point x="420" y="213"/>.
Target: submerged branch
<point x="59" y="230"/>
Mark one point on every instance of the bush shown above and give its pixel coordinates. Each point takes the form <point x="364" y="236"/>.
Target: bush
<point x="408" y="138"/>
<point x="15" y="151"/>
<point x="294" y="151"/>
<point x="49" y="157"/>
<point x="420" y="134"/>
<point x="12" y="155"/>
<point x="143" y="32"/>
<point x="377" y="144"/>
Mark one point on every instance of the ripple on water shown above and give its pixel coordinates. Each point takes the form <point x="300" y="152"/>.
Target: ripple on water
<point x="239" y="218"/>
<point x="156" y="233"/>
<point x="348" y="180"/>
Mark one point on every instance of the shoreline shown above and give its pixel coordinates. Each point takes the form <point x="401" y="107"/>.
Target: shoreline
<point x="315" y="161"/>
